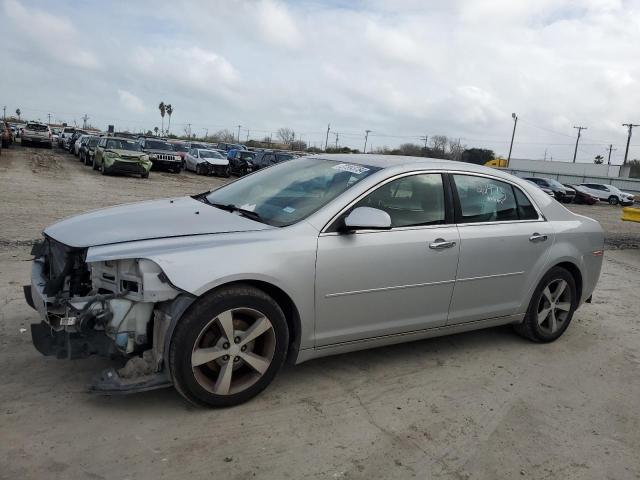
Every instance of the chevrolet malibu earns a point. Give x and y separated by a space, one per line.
307 258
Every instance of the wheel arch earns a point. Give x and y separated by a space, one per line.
575 272
282 298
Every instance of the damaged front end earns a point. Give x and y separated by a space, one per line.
117 309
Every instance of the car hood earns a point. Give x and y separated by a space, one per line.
148 220
126 153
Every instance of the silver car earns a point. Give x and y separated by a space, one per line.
206 162
308 258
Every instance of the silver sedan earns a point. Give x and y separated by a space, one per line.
206 162
308 258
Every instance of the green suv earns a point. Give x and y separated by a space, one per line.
121 155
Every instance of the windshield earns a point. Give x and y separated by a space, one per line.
198 146
247 155
210 154
180 147
121 144
157 145
291 191
37 127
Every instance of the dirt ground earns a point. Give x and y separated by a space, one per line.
481 405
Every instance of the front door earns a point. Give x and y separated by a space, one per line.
504 245
375 283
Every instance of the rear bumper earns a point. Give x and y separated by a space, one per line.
48 141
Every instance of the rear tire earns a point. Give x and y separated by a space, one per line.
219 327
551 309
613 200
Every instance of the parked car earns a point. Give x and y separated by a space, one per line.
581 195
267 158
77 144
546 190
560 192
162 154
608 193
121 155
181 149
229 146
88 149
309 258
64 135
207 162
36 133
241 161
6 135
70 141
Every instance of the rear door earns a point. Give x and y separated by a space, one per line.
504 245
374 283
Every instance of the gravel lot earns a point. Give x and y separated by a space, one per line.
482 405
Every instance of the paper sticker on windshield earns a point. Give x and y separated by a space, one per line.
288 209
347 167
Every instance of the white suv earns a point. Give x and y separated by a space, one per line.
36 133
608 193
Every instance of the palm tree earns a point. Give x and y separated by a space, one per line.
18 112
169 110
155 129
162 110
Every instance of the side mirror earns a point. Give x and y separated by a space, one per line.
367 218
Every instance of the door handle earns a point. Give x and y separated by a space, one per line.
537 237
441 244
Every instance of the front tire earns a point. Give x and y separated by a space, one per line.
613 200
552 306
228 347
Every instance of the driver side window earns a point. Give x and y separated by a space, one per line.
410 201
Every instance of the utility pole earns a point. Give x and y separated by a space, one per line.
545 154
515 123
425 138
4 112
326 140
626 152
239 133
336 134
84 120
366 137
247 134
49 115
189 128
575 152
610 149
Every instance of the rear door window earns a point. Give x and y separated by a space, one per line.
483 199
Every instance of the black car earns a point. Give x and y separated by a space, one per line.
268 158
77 134
162 154
88 149
561 193
241 162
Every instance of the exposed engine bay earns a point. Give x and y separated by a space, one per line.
116 308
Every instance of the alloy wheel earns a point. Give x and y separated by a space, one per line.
233 351
554 306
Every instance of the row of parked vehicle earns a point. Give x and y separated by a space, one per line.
126 153
584 193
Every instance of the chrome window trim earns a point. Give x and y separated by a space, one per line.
541 217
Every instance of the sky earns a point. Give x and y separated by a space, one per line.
403 69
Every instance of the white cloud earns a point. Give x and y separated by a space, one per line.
131 102
50 34
277 25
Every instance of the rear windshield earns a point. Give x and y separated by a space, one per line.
37 127
120 144
68 130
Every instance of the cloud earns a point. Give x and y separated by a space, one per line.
131 102
277 25
49 34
